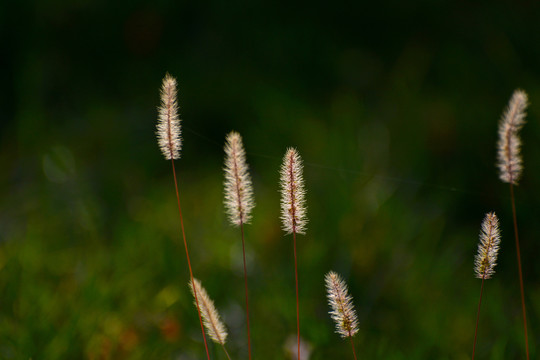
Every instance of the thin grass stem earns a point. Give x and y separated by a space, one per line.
226 352
352 345
518 252
478 317
187 256
246 289
297 302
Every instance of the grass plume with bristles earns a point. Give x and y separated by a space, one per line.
510 166
293 211
168 127
488 248
509 158
170 143
238 199
342 309
238 189
486 259
212 321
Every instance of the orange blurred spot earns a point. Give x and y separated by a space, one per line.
170 329
129 340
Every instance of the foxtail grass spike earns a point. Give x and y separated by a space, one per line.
486 259
238 189
511 165
488 248
509 158
342 309
239 200
293 209
168 127
293 213
212 321
169 140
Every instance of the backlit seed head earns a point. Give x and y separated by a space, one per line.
342 310
211 319
238 190
509 159
293 209
488 248
168 126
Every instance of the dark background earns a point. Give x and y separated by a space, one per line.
394 107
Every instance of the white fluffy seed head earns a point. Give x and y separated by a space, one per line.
168 126
293 209
211 319
488 248
342 310
509 159
238 189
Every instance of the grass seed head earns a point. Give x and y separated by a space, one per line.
168 126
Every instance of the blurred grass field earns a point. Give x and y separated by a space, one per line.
394 108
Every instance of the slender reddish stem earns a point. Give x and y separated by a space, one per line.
352 345
519 268
478 316
246 288
293 215
226 353
297 302
187 256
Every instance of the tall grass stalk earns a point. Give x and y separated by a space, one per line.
293 212
170 142
511 166
486 259
238 199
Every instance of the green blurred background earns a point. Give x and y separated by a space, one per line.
394 108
